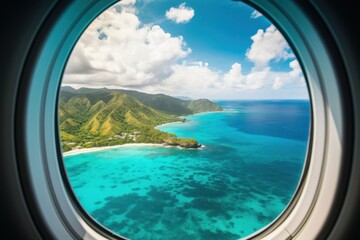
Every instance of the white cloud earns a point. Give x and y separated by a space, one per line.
237 80
263 78
182 14
257 79
147 58
132 55
255 14
295 76
192 77
234 78
296 70
78 63
278 83
267 46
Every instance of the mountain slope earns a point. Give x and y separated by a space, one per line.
86 120
102 117
201 105
160 102
122 113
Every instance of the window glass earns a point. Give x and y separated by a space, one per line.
183 120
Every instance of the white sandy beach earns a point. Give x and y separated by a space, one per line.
94 149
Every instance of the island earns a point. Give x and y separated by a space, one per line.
91 118
182 142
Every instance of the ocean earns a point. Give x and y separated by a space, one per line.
241 180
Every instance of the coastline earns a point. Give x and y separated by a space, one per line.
95 149
164 124
209 112
201 113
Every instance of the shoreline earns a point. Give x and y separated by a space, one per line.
199 113
95 149
164 124
210 112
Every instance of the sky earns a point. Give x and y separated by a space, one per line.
196 48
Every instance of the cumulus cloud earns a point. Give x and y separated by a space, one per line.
294 76
260 78
235 78
278 83
255 14
253 80
181 14
268 45
117 50
296 70
193 76
135 56
131 55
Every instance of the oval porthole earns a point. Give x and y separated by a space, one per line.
177 124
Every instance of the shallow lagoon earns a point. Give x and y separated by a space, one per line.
239 182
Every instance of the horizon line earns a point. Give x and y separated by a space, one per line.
190 98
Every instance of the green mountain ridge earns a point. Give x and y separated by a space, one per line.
103 117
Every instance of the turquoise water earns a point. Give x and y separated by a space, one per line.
240 181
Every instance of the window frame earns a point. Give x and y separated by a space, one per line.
43 171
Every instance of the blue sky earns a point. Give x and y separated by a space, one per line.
196 48
219 32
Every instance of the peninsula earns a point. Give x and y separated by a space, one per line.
91 118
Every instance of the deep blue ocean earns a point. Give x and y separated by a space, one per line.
239 182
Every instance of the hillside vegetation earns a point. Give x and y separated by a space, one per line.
105 117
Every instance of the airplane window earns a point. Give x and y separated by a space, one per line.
184 120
